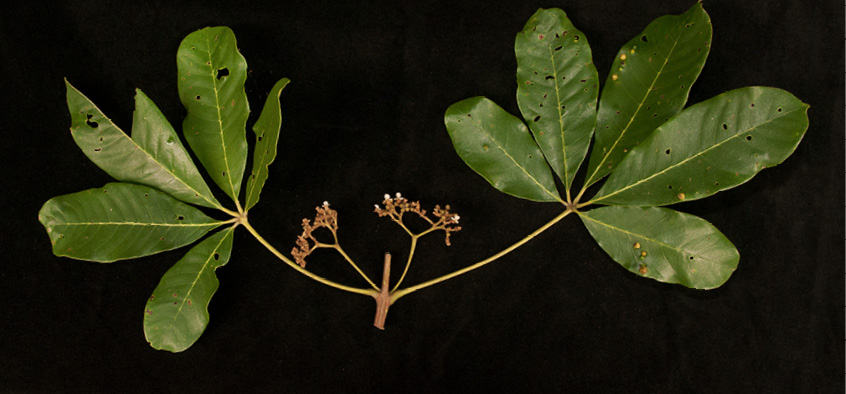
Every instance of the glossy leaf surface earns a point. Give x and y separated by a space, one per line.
177 312
663 244
557 86
267 136
120 221
211 86
499 147
154 156
711 146
648 84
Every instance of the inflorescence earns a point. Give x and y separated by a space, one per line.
396 207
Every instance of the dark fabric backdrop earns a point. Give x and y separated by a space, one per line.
364 116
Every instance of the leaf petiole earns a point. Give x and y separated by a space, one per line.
368 292
401 293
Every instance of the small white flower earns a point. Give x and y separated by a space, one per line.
377 206
455 218
399 195
387 196
326 203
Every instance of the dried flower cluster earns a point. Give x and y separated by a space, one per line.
326 217
397 206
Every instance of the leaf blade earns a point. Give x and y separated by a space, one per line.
710 147
663 244
267 136
211 87
154 156
557 88
648 84
499 147
177 313
120 221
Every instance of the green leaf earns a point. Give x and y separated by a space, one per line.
120 221
267 135
211 86
711 146
648 84
499 147
663 244
154 156
178 311
557 85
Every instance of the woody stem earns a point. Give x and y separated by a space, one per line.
383 298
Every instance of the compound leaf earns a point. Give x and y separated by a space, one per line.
267 136
177 313
663 244
499 147
648 84
557 85
711 146
120 221
211 87
154 156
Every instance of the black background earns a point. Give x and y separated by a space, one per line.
364 116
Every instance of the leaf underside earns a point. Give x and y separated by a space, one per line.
648 84
177 312
664 244
211 87
499 147
120 221
557 87
154 156
267 136
711 146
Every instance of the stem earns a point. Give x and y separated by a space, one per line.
349 260
243 221
383 298
399 294
414 238
408 263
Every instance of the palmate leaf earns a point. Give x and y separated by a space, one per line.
711 146
664 244
648 84
499 147
557 86
154 156
211 87
177 313
267 136
120 221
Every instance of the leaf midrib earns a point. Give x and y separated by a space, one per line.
495 142
142 224
252 183
197 278
700 257
637 111
161 165
560 120
749 130
220 119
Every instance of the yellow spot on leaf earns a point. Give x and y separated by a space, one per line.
637 245
623 57
680 196
615 77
